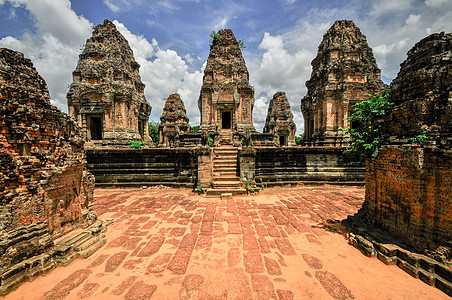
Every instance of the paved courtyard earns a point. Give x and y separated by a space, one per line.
173 244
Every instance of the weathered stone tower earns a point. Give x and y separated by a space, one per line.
409 183
226 100
280 120
343 73
173 121
106 97
45 189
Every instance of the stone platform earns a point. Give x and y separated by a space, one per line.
281 244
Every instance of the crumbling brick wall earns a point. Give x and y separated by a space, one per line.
409 184
45 190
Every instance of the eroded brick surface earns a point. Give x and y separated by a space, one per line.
45 189
343 73
106 96
184 262
408 186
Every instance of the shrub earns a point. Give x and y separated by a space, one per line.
365 139
136 144
195 129
154 132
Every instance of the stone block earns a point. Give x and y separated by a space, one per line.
427 277
388 260
444 286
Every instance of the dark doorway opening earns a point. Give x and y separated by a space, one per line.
226 119
141 129
95 127
282 140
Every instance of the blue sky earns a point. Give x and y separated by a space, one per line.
170 40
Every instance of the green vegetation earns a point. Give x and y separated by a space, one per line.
154 132
195 129
366 138
210 141
298 139
136 144
419 139
248 188
242 45
213 37
200 190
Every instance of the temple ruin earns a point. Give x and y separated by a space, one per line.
45 189
343 73
226 100
279 120
408 186
173 121
106 97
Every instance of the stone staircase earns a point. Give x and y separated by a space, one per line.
225 179
226 137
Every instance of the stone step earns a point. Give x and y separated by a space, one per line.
226 159
225 170
217 165
226 184
228 150
225 178
227 173
225 156
218 192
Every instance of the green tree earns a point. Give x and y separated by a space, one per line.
136 144
365 137
154 132
195 129
242 45
213 37
298 139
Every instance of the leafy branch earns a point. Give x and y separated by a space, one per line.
214 36
366 137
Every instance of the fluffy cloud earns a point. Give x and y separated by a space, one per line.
60 37
277 60
391 28
54 48
278 69
164 72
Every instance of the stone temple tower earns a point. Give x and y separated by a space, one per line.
106 97
279 120
173 121
226 100
343 73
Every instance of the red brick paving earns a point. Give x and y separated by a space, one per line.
172 244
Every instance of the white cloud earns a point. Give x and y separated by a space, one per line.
279 69
113 5
284 63
60 37
385 7
154 6
53 49
412 19
436 3
164 72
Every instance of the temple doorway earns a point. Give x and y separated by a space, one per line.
226 119
94 127
283 140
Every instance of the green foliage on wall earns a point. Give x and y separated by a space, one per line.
195 129
365 136
136 144
154 132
